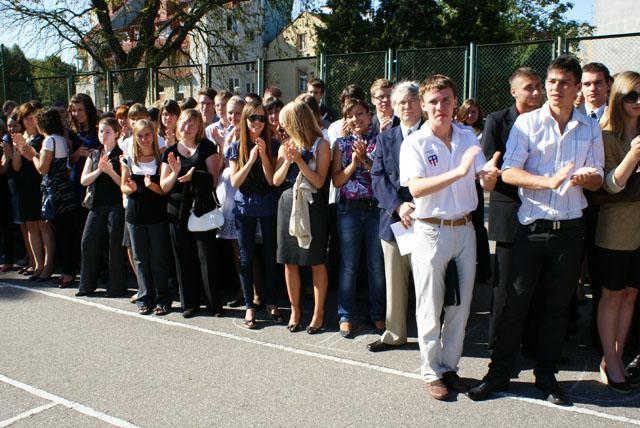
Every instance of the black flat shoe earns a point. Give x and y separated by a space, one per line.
314 330
83 293
488 386
550 388
294 328
380 346
236 303
188 313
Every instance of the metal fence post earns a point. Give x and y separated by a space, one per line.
473 70
109 89
150 90
207 75
559 48
389 67
4 83
259 76
70 88
466 74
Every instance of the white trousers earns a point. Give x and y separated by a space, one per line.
441 344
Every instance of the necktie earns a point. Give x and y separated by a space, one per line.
593 115
409 131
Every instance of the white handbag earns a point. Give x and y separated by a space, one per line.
213 219
207 221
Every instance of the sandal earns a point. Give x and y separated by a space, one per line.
144 310
250 324
6 268
160 310
275 315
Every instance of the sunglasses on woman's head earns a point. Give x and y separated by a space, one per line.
257 117
631 97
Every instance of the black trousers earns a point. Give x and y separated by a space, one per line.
68 229
103 219
196 267
502 262
549 259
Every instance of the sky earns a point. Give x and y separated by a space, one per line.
582 11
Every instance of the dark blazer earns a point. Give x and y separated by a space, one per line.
375 122
504 201
385 177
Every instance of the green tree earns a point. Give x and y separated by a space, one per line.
125 34
405 24
50 79
349 27
18 79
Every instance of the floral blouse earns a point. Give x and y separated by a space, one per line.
359 184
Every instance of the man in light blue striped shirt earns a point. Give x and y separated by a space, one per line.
553 153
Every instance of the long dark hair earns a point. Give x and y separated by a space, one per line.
255 175
172 107
90 110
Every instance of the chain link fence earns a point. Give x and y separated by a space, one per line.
238 77
130 85
618 52
345 69
480 71
94 85
417 64
290 74
495 63
178 82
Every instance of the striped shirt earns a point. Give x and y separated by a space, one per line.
536 145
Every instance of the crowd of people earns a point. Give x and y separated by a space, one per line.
252 191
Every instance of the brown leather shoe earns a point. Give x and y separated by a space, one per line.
438 390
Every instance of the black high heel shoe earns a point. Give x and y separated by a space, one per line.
620 387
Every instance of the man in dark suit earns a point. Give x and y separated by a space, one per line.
504 201
395 204
384 117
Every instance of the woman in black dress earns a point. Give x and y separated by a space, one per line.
189 171
28 181
307 154
60 202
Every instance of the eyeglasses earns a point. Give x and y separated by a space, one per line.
383 98
631 97
257 117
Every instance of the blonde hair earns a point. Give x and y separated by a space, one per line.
300 123
137 151
614 116
187 115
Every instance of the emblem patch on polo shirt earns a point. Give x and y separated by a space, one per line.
433 159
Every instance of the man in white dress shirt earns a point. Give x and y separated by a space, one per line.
439 163
553 153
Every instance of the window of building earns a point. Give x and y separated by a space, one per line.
232 24
251 35
303 79
251 66
234 83
301 42
232 54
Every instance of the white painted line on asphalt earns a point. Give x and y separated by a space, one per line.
67 403
573 409
26 414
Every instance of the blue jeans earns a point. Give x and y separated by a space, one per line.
354 225
246 227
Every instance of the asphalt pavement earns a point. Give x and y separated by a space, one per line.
93 361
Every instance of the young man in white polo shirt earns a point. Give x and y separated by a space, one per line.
439 163
553 153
